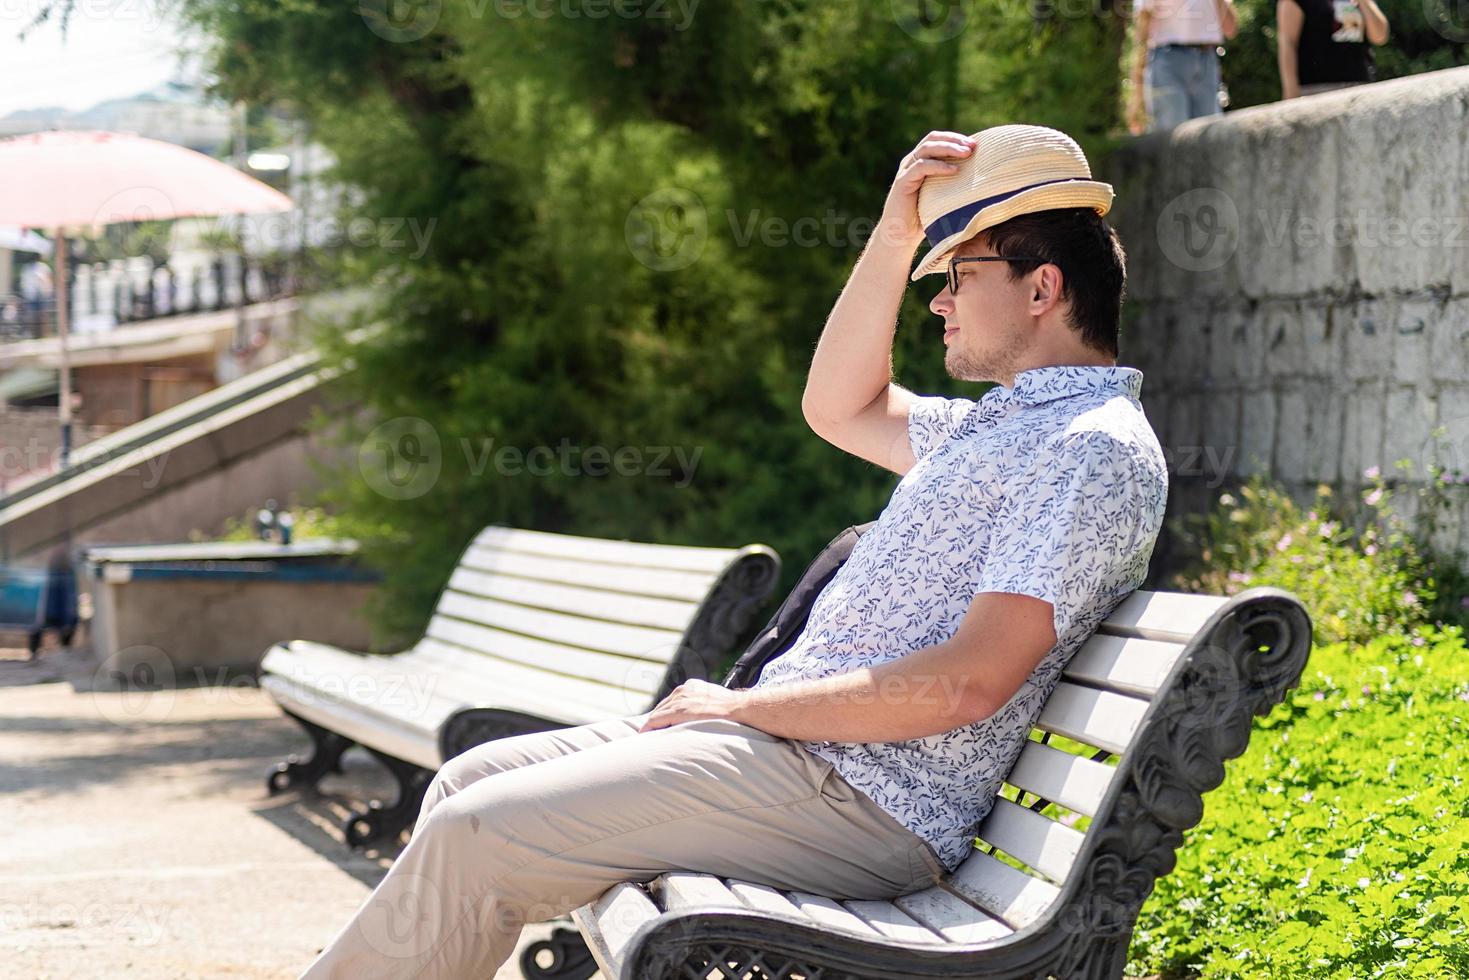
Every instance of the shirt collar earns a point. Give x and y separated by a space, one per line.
1044 384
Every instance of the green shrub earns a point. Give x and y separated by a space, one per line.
1339 843
311 522
1358 582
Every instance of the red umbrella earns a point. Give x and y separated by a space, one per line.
70 182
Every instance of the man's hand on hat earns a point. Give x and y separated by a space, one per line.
933 156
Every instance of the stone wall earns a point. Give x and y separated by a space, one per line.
1299 290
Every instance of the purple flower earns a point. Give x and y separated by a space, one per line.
1372 472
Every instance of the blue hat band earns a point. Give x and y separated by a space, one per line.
955 221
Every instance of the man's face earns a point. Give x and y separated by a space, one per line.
986 329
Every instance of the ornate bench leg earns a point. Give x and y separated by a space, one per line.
569 957
379 822
326 756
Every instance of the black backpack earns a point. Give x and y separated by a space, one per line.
790 619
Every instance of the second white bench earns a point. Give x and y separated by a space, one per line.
534 631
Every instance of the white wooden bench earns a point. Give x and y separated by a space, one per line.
1094 810
534 631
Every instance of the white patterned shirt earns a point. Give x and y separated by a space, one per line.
1054 488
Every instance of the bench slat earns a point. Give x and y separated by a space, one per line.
1125 664
882 918
427 675
828 912
950 916
417 701
1073 782
617 607
1170 616
612 670
1101 718
893 922
1040 842
683 890
409 696
628 580
591 634
357 724
682 557
686 889
614 917
763 898
484 681
1014 896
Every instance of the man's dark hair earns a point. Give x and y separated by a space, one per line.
1089 254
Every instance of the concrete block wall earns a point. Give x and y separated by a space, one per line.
1298 293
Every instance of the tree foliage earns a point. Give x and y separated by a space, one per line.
564 158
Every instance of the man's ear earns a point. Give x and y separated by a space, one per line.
1046 285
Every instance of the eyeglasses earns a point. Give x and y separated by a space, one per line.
954 273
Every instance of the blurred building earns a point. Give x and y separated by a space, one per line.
175 112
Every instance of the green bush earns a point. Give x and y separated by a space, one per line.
1358 583
1339 843
310 522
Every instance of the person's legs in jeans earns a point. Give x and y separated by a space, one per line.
1203 90
528 828
1165 91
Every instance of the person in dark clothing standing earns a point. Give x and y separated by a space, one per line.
1325 44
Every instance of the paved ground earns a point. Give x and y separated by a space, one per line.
139 841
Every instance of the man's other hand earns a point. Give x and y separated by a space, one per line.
693 701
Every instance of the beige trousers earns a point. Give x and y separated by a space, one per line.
527 828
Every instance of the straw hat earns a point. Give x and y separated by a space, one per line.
1012 170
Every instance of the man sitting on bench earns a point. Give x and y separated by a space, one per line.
863 760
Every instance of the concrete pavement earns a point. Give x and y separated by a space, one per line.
139 842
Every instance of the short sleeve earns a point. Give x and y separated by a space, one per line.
932 418
1077 528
